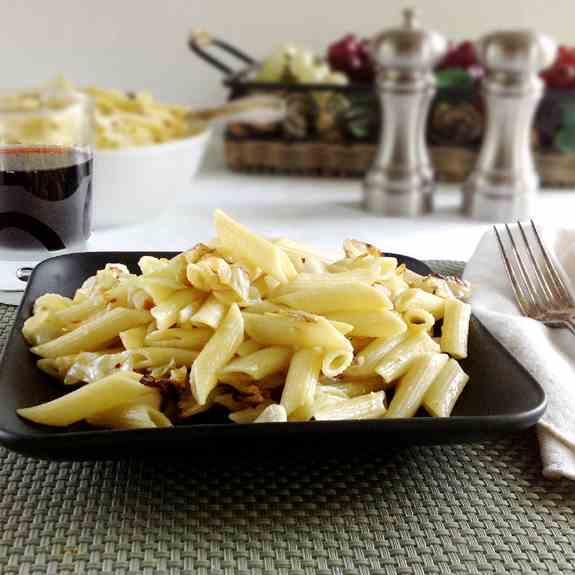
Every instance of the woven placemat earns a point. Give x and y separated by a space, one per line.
481 508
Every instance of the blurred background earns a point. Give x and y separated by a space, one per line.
135 44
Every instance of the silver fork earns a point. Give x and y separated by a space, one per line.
539 289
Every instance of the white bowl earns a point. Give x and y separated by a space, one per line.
131 185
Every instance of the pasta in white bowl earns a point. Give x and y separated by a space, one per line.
269 330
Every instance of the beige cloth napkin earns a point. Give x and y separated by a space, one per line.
548 354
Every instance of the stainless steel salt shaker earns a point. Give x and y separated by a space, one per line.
400 182
504 183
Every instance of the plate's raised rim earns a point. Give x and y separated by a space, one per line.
62 440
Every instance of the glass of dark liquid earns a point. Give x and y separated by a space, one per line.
45 173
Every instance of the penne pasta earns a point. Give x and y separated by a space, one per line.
455 328
94 334
417 298
148 357
301 380
349 389
399 359
367 360
143 413
261 363
177 337
418 319
305 281
88 400
210 314
344 296
369 406
370 322
410 391
335 362
248 347
245 245
443 393
166 313
294 329
220 348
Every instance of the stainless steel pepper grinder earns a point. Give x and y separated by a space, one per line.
504 183
400 182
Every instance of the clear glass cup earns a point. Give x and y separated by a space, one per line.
45 172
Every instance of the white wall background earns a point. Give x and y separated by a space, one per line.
135 44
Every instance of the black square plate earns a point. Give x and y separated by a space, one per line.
501 397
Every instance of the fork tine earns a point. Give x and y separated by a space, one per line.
551 268
530 288
541 279
517 290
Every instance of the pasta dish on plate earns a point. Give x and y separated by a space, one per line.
269 330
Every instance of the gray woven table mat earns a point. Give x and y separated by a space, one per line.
443 509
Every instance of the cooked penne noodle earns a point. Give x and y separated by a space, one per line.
265 285
143 413
266 307
399 359
366 361
381 265
343 328
273 413
371 322
300 250
455 328
210 313
349 389
410 391
94 334
305 281
80 311
417 298
261 363
369 406
148 357
301 379
394 284
344 296
336 361
135 416
166 313
443 393
187 312
294 329
220 348
178 337
248 347
51 302
88 400
245 245
418 319
134 338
